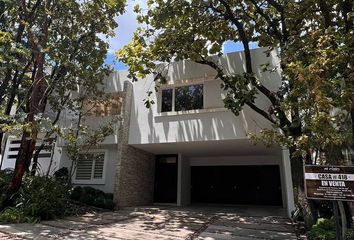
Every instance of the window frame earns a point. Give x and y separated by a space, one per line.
173 87
93 180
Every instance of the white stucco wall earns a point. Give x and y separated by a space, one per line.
109 168
115 82
213 122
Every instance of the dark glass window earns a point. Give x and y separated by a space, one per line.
189 97
166 105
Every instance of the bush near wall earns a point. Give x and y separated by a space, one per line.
40 198
92 197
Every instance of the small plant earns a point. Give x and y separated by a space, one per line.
14 215
324 229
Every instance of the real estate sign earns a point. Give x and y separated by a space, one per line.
329 182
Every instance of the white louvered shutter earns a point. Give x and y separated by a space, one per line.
84 167
99 163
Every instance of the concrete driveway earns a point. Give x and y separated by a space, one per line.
241 223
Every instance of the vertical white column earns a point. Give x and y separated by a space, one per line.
288 184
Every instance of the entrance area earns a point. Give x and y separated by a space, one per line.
166 170
222 174
250 185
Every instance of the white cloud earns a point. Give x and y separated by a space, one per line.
127 24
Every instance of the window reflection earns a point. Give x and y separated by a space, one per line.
189 97
166 105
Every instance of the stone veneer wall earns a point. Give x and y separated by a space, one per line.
134 183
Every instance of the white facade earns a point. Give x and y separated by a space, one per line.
212 136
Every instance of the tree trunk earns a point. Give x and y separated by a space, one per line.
51 157
36 105
304 205
22 164
35 160
2 151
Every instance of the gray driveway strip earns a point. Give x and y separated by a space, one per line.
175 223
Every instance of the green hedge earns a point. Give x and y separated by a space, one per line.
93 197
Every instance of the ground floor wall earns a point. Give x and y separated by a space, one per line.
110 161
130 174
134 177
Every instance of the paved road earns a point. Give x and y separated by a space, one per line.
207 223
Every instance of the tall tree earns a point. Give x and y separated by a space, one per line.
313 108
52 47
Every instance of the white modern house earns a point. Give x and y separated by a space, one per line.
186 149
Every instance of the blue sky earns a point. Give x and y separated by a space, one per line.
126 26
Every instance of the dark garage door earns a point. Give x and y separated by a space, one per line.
258 185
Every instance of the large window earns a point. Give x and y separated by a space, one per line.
90 167
189 97
182 98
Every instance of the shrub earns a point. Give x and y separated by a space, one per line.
43 198
5 177
76 193
109 204
324 229
99 202
14 215
62 174
93 197
39 198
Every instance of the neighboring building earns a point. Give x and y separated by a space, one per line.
187 148
48 157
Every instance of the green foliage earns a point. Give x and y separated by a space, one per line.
40 198
312 107
43 198
15 215
52 57
93 197
324 229
70 37
5 177
349 235
62 174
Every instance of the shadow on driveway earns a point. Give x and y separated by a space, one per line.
202 222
